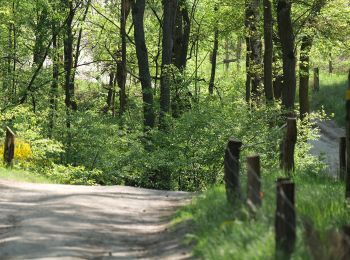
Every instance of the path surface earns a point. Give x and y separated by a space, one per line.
42 221
328 145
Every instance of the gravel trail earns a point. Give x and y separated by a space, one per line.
327 147
45 221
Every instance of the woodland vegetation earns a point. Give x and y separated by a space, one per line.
147 93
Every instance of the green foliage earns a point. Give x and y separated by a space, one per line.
190 155
74 175
28 127
304 160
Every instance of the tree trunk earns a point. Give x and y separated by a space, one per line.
227 54
316 79
213 61
347 125
69 61
142 58
252 18
239 53
285 31
80 34
41 36
110 93
277 68
169 7
330 63
55 79
304 76
125 9
181 36
268 55
248 82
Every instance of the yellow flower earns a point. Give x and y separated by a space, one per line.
23 152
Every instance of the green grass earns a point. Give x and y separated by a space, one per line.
218 232
22 176
331 96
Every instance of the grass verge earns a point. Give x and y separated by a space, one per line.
218 232
23 176
331 96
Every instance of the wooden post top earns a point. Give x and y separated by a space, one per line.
234 145
253 156
10 131
291 119
235 141
283 180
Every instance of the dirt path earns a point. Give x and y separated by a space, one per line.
328 145
40 221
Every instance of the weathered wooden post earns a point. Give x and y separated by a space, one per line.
347 173
9 147
285 219
289 146
316 79
342 158
254 181
232 184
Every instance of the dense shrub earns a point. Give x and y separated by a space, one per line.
188 156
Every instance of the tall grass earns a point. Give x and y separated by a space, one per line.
219 232
331 96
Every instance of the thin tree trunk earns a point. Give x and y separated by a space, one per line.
248 82
214 61
41 36
71 105
239 53
304 75
181 36
122 66
268 55
110 92
196 87
278 76
169 7
252 18
68 61
55 80
330 63
181 42
80 34
138 10
285 31
227 55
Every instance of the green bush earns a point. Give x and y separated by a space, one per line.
74 175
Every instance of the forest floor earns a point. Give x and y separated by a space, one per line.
46 221
327 147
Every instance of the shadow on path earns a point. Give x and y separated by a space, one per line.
40 221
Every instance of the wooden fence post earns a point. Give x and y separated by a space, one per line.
285 219
9 147
254 181
232 184
347 173
316 79
289 146
342 158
